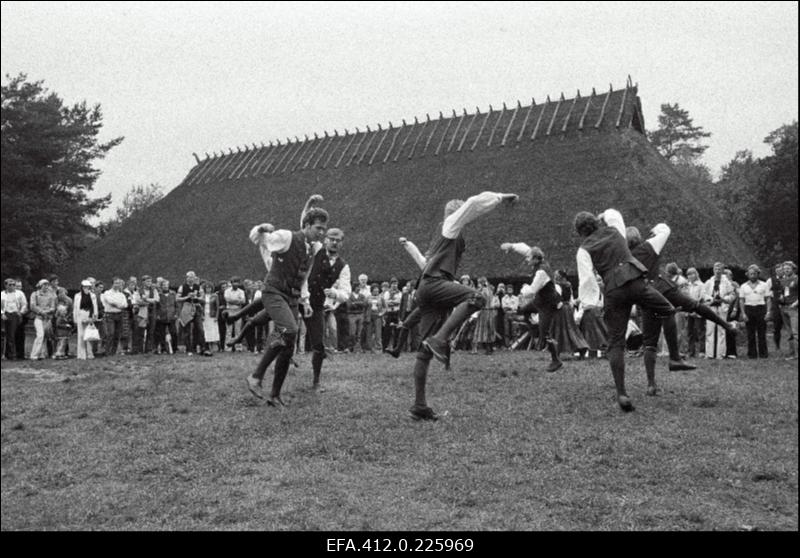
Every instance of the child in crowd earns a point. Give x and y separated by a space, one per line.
63 330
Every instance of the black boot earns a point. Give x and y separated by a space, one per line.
402 337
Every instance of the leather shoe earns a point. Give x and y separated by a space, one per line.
421 412
440 350
676 365
276 401
554 365
254 385
625 403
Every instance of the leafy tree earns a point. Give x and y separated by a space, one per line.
48 152
137 199
677 138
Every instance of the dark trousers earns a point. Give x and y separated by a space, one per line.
160 336
13 323
388 335
756 327
342 329
19 338
113 321
193 334
315 333
436 297
696 327
283 311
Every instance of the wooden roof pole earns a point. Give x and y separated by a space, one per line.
346 148
525 122
293 155
539 120
394 139
335 147
569 112
196 171
510 123
302 153
441 141
327 142
380 143
435 126
243 163
455 132
622 105
358 146
586 110
289 147
273 158
603 109
480 130
369 143
469 127
230 158
405 139
419 135
555 113
317 143
496 124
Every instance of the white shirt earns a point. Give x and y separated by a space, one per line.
342 287
726 290
257 237
13 302
510 303
113 301
754 295
472 208
279 242
417 256
235 297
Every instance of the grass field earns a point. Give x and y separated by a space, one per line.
178 443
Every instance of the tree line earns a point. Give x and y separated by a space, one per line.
49 152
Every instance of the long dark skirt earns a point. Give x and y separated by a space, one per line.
594 329
565 332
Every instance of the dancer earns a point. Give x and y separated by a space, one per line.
256 307
605 248
438 292
285 286
542 290
328 280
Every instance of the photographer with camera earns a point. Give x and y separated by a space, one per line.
718 293
191 315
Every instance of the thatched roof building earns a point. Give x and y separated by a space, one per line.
561 156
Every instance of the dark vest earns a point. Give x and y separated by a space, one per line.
611 257
547 298
288 269
445 256
646 254
322 277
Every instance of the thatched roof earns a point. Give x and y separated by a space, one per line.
563 156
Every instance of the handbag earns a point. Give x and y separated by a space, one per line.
90 333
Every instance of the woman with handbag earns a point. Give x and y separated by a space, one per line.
43 308
85 312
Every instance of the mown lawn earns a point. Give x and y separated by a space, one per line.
178 443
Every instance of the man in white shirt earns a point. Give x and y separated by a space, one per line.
13 305
754 300
510 304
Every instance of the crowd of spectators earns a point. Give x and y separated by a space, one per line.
147 316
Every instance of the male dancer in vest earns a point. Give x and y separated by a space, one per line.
438 292
649 253
329 279
286 284
256 308
605 248
545 297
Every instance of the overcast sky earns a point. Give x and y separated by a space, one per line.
183 77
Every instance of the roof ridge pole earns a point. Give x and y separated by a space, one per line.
317 143
469 127
302 153
419 135
273 157
435 126
525 122
496 124
603 110
244 163
346 148
285 152
369 143
358 146
586 110
405 140
196 158
510 123
201 174
299 145
215 159
441 140
380 143
220 161
622 104
260 152
326 141
480 131
335 147
394 140
555 113
569 112
539 120
455 132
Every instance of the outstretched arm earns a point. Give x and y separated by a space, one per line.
613 218
588 289
412 249
473 208
517 247
311 202
661 233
